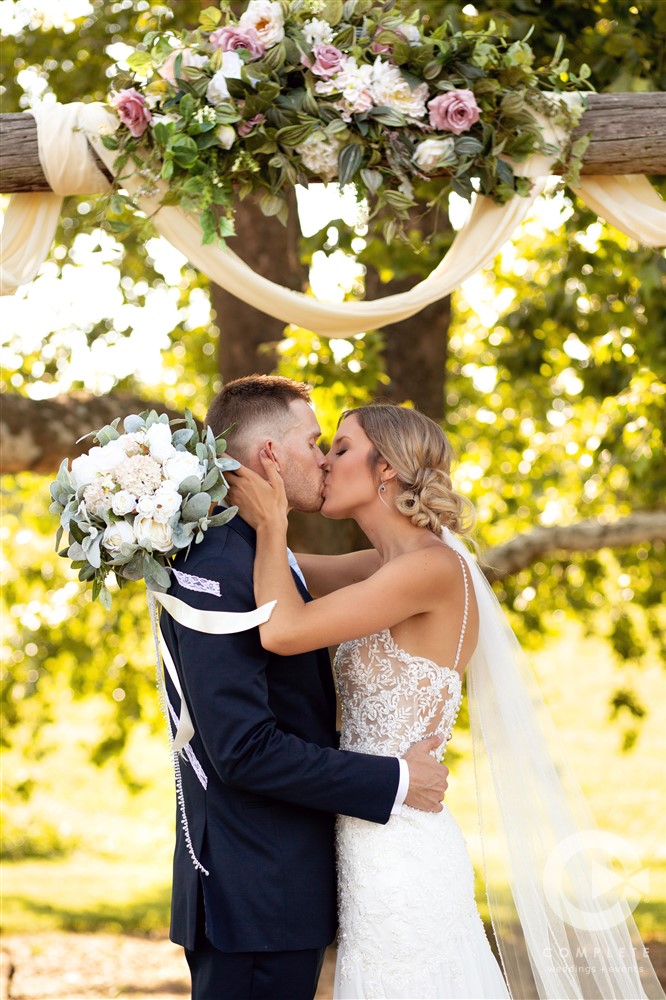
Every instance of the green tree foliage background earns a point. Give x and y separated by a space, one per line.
554 396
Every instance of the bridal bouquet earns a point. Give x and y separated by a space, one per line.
257 99
137 497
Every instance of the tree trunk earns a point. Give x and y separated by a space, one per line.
35 435
415 350
249 338
628 137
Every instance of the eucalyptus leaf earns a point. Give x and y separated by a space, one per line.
132 423
105 598
211 479
223 517
196 507
190 485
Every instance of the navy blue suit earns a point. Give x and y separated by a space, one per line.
265 736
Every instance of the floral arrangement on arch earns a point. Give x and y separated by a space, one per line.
136 498
293 91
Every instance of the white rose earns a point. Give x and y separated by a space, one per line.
225 136
83 471
317 32
266 18
98 461
146 505
167 500
430 153
158 439
320 156
117 538
217 89
156 533
131 443
123 503
410 33
180 466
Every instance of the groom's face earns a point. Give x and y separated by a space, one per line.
300 459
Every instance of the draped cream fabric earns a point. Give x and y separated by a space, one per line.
630 203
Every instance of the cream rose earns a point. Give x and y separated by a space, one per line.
118 538
390 89
159 441
217 91
432 153
266 18
225 136
123 503
98 461
167 500
182 465
146 505
157 534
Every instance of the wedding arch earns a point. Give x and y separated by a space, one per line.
254 104
58 151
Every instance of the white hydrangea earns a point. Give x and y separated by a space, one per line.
96 495
139 474
320 156
410 33
317 32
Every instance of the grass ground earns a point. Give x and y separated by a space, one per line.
117 876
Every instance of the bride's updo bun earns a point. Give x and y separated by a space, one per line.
421 455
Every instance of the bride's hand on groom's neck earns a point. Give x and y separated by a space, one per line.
261 502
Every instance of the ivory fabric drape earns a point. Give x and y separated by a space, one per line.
64 131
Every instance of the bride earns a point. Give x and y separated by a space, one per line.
411 615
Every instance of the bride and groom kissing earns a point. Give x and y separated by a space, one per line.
289 828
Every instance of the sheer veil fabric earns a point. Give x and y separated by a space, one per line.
563 910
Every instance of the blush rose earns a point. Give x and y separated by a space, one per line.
132 111
455 111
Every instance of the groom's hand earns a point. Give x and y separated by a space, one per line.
428 778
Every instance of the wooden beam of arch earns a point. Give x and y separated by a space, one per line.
628 136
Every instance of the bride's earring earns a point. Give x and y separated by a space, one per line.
380 490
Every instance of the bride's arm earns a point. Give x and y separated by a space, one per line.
379 602
324 574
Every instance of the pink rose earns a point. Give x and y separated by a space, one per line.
455 111
132 111
328 60
244 128
229 39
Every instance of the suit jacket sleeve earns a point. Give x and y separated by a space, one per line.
225 683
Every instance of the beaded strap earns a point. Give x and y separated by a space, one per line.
465 612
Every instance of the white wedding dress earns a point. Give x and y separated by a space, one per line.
409 924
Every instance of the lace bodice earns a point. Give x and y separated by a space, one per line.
391 699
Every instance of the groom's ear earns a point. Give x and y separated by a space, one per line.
268 447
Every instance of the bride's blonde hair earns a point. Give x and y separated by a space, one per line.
421 455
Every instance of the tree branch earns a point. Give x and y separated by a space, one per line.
585 536
35 435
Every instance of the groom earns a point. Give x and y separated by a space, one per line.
262 778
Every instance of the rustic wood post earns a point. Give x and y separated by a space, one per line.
628 136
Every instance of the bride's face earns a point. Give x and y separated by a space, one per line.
350 482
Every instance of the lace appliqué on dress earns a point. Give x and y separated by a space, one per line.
197 583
